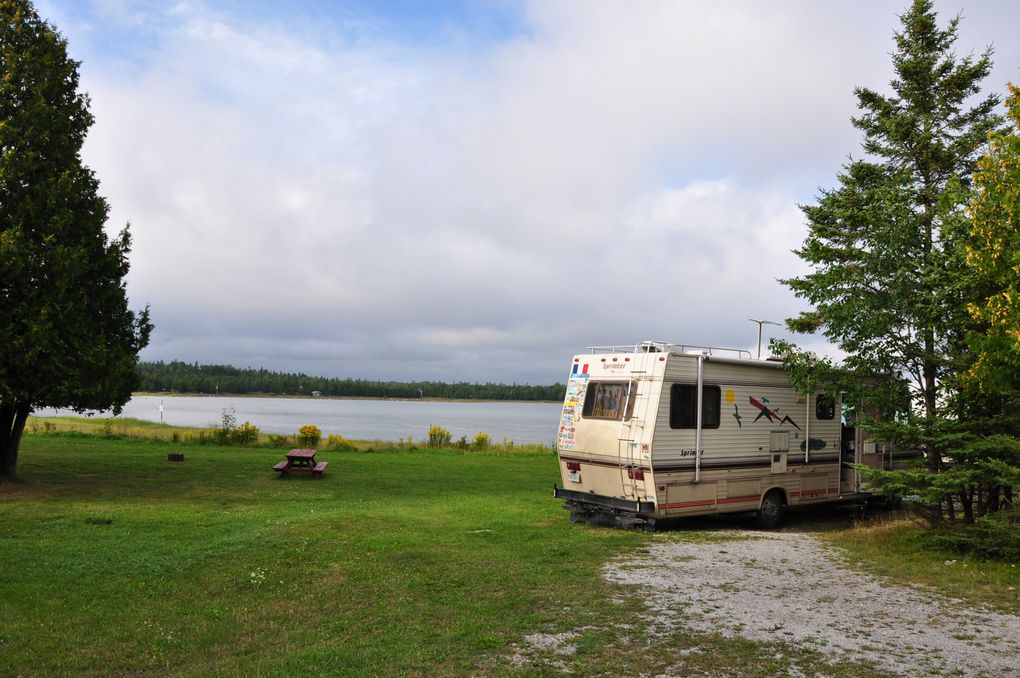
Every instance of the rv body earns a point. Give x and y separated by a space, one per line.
661 430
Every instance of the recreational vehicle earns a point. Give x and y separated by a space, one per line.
661 430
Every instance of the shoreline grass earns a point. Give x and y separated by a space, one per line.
127 428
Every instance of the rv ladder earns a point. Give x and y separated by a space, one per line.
627 440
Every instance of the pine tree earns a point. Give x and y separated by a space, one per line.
886 287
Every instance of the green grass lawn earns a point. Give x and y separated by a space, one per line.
114 561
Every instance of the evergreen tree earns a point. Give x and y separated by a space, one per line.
67 338
886 287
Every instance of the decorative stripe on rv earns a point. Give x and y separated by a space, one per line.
709 502
609 464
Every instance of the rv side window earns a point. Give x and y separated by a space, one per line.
683 406
606 400
825 407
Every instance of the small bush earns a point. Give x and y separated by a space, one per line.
995 536
228 422
309 436
339 443
438 436
482 441
246 434
279 440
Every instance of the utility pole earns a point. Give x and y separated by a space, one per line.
760 323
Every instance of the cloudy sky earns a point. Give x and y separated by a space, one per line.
474 190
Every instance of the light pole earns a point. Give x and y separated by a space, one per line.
760 323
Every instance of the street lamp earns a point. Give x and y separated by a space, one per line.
760 323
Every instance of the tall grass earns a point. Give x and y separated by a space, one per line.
126 428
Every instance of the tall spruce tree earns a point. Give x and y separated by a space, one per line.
885 286
67 338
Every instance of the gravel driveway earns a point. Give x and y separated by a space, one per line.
788 586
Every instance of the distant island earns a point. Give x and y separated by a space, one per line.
181 377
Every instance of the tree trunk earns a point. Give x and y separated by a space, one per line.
967 504
950 508
933 456
12 425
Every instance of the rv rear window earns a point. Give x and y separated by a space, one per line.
683 406
606 400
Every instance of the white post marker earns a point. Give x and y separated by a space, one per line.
161 411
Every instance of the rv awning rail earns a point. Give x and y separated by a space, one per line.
670 347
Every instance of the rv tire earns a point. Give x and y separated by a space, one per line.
771 512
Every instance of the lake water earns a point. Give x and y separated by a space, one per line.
388 420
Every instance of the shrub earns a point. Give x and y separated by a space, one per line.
339 443
228 422
246 434
279 440
482 441
438 436
995 536
309 436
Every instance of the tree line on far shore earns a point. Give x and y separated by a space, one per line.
181 377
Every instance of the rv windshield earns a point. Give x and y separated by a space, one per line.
607 400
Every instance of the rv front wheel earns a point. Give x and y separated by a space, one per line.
771 512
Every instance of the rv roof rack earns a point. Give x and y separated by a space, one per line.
670 347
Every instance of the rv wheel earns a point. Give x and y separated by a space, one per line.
771 511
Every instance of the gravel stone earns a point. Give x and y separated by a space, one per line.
788 586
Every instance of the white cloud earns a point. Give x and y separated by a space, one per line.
309 198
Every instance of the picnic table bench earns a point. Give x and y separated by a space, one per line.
301 460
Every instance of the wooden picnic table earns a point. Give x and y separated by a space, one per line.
301 460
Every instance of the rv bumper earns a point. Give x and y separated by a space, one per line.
602 501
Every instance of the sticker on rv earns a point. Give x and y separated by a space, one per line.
576 386
770 414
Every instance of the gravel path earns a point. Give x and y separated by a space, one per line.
788 586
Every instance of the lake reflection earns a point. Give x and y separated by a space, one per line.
388 420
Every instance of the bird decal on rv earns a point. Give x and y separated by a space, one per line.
770 414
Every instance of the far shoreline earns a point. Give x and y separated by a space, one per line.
179 394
